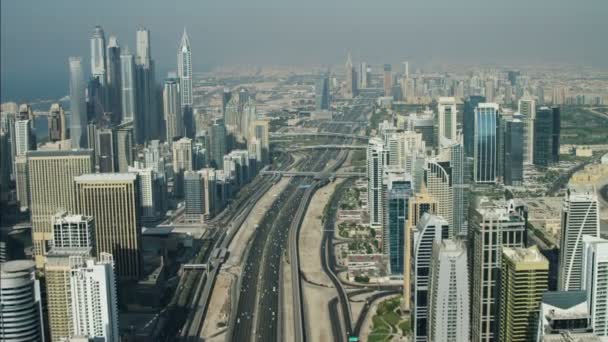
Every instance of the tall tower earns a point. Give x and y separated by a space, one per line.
468 123
218 143
51 179
112 199
20 302
439 185
377 156
98 55
514 140
388 80
524 279
322 92
527 107
363 80
172 109
127 77
446 110
397 194
78 105
485 143
580 216
351 79
182 162
595 273
113 78
149 120
449 293
184 69
544 137
494 225
94 298
430 229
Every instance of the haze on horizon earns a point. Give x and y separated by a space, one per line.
38 36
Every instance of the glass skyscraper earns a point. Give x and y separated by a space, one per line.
543 137
485 143
398 192
514 152
468 122
78 105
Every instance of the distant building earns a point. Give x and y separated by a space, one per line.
151 194
514 140
58 129
322 92
128 91
20 302
430 229
194 194
388 80
182 161
218 143
524 279
377 156
580 216
98 55
113 79
448 310
112 199
184 70
546 136
527 107
124 144
105 151
447 114
78 118
350 90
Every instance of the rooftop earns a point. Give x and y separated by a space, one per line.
106 177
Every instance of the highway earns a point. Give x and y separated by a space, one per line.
257 311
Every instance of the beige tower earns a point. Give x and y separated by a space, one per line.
51 180
112 200
419 204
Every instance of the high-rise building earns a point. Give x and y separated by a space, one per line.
148 122
22 185
388 80
172 109
78 108
564 316
580 216
514 152
430 229
57 123
184 70
20 302
489 90
397 194
363 80
485 143
595 281
112 199
105 151
218 143
182 162
113 79
468 123
524 278
448 306
322 92
150 193
51 180
73 231
493 226
377 156
555 133
437 178
527 107
128 88
446 111
124 144
260 135
25 140
194 194
248 118
94 298
350 90
543 137
98 55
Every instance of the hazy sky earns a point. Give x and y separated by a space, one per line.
38 36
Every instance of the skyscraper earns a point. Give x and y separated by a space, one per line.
128 88
73 231
595 281
25 139
218 143
397 193
543 137
149 120
113 78
51 179
322 92
78 108
524 278
448 310
194 194
94 298
184 70
388 80
105 151
527 107
22 185
493 225
350 90
514 152
580 216
439 185
429 230
98 55
555 133
485 143
57 123
489 90
446 110
150 193
172 109
20 302
377 156
112 199
468 123
363 80
182 162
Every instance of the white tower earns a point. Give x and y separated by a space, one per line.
184 69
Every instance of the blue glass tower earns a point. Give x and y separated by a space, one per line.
486 147
398 192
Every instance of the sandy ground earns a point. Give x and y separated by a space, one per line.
316 299
219 307
287 303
